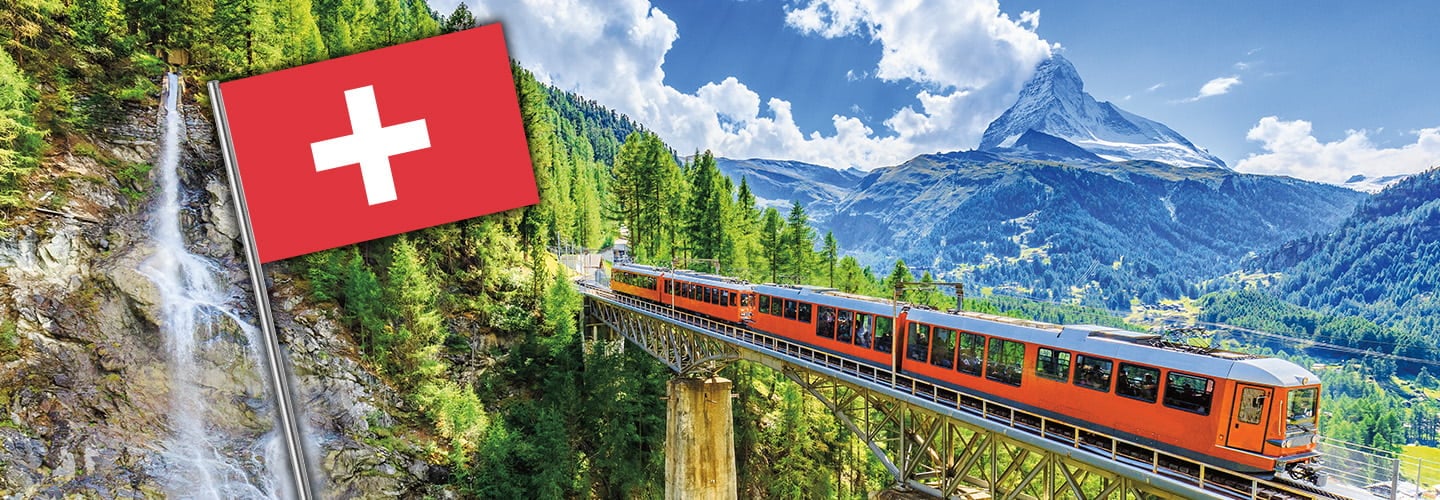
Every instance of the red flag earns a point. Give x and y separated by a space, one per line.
379 143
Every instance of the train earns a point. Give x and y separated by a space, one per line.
1246 413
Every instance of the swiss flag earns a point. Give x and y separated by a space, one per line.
378 143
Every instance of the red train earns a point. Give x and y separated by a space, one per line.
1241 412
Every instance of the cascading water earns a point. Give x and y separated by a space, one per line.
202 458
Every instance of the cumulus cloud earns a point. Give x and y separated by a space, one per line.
1291 149
1218 86
968 67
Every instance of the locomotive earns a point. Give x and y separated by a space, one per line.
1242 412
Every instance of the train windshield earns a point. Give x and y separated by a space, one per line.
1303 410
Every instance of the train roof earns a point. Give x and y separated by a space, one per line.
829 297
638 268
709 279
1124 345
685 275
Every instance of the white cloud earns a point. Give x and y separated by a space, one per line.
1155 87
1291 149
969 57
1218 86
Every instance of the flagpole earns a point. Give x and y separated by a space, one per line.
284 400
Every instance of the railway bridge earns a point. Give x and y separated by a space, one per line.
931 439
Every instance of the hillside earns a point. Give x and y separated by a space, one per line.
1114 231
1383 262
777 183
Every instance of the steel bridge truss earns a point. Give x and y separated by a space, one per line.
945 457
934 439
683 347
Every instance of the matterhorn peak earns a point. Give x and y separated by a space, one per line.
1054 102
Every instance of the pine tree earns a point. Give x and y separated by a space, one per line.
899 274
20 142
852 277
705 224
417 331
460 19
771 242
799 243
832 249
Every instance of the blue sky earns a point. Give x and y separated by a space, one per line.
1319 91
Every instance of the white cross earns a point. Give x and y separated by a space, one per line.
370 145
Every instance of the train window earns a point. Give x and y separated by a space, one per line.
972 353
1301 414
825 326
712 295
1188 393
745 299
765 304
1004 361
864 329
942 352
1053 364
725 299
732 297
1093 373
790 309
670 287
777 307
919 343
842 326
1252 405
805 312
884 333
1138 382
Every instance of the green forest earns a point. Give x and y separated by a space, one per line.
474 323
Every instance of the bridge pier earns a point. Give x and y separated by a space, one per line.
700 440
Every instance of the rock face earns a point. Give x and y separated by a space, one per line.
85 375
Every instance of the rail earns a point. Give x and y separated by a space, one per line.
1159 465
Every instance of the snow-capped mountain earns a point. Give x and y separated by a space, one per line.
1054 102
1372 185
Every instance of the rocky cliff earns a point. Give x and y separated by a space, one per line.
85 381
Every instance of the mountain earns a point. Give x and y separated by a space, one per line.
777 182
1383 262
1054 102
1108 231
1036 145
1360 182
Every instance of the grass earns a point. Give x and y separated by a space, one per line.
1422 459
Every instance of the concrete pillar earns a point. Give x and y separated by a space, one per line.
699 441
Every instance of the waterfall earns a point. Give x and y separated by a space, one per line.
202 458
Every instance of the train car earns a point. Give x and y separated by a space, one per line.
722 298
636 280
857 327
1242 412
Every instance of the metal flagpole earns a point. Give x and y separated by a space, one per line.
284 401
